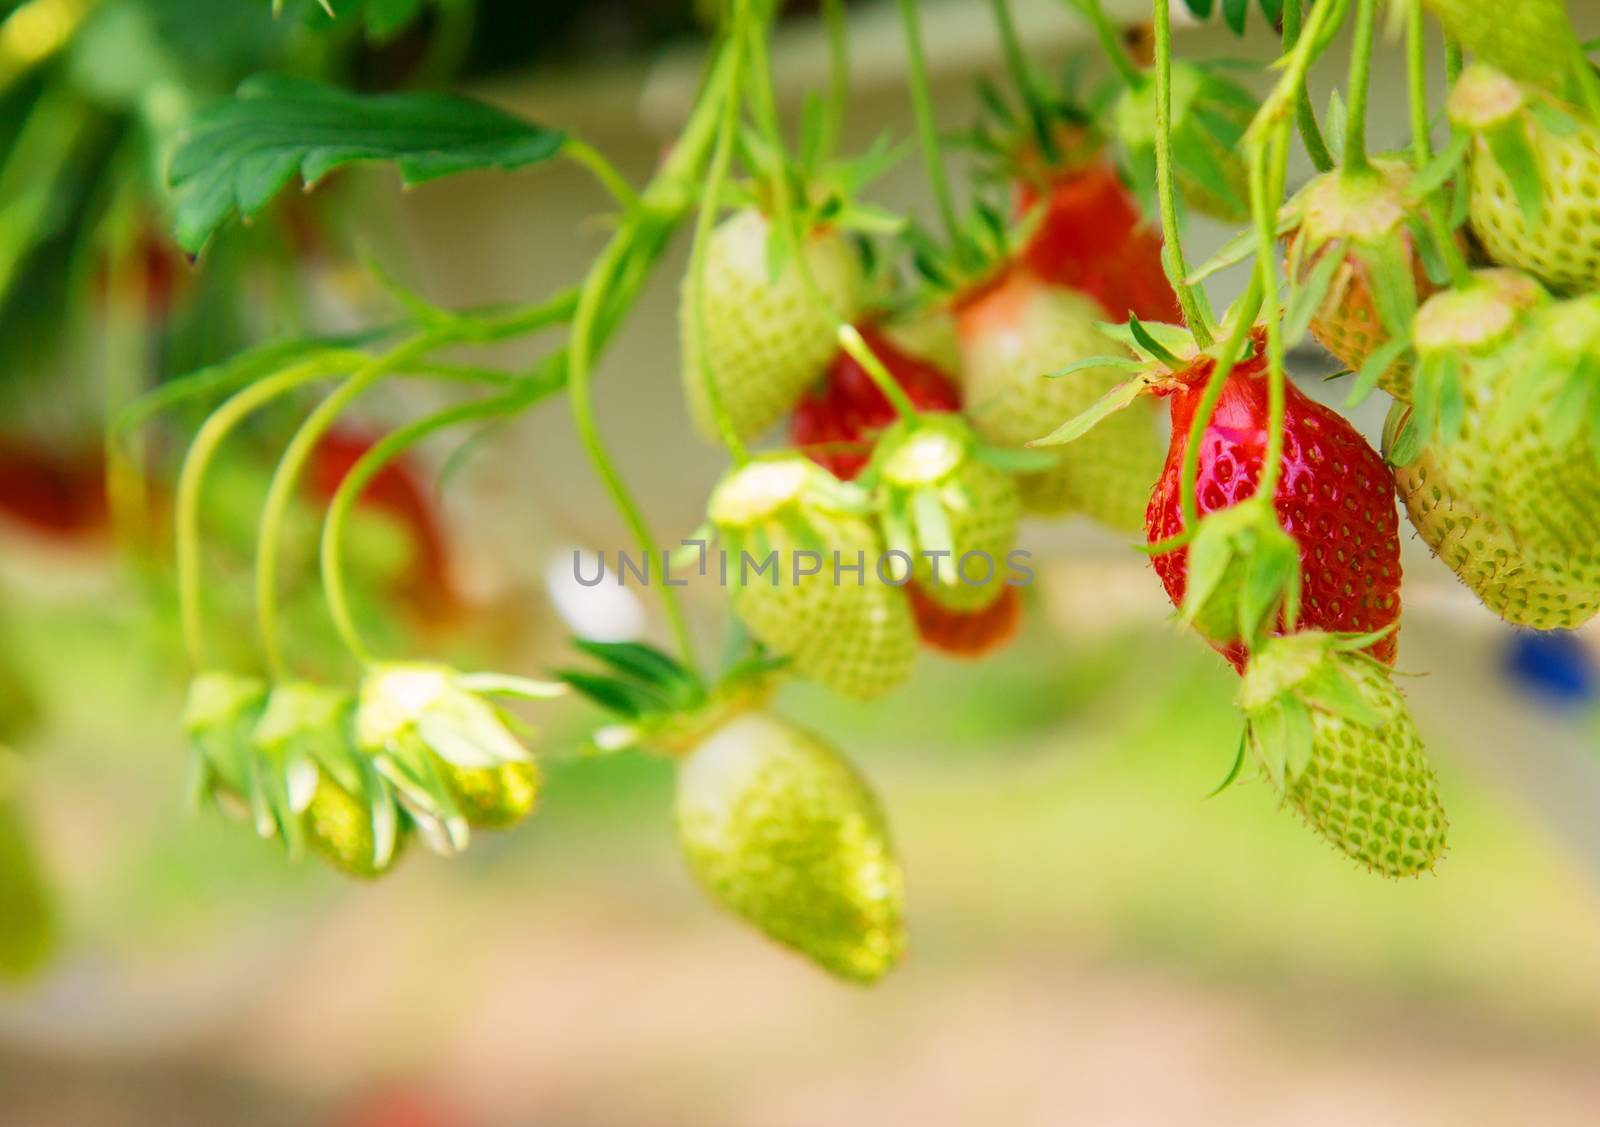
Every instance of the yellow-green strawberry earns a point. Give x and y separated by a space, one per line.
806 561
1333 735
339 828
767 336
1548 426
1013 332
494 798
783 833
1355 259
947 509
1534 177
1532 40
1456 457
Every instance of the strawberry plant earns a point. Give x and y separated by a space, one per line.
1458 276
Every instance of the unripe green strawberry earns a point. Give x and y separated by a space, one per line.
1534 178
1013 333
783 833
1531 40
1376 278
785 524
1335 738
1457 486
493 798
339 828
767 337
953 513
1548 425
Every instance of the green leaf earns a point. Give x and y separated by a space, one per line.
237 155
1234 12
641 662
386 19
620 697
1117 399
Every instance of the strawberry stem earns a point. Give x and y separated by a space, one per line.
1422 145
721 159
191 478
927 126
1305 115
590 158
1190 299
280 492
1227 359
1268 168
838 75
1111 42
851 341
1355 133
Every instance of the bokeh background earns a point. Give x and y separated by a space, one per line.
1095 940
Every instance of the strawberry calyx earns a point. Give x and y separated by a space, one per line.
661 706
1473 324
1291 677
1243 576
1557 361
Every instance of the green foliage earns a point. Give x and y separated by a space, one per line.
239 154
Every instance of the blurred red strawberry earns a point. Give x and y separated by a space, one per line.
397 491
52 492
1093 237
837 422
971 635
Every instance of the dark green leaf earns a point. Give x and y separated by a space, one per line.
642 662
238 154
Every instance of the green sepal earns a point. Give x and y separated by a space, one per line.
1333 126
624 698
1238 765
1283 737
933 528
1307 298
1271 585
1394 286
1122 363
897 529
1382 359
1148 344
1117 399
1444 164
1330 690
412 769
647 665
1513 151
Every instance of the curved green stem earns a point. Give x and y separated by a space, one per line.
1190 300
280 492
588 157
370 464
927 124
1305 115
838 75
191 478
1268 167
1110 42
705 223
1355 132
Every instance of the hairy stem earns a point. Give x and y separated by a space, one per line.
1355 133
1022 75
1305 115
1189 300
1422 145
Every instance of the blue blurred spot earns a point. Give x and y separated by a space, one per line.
1554 665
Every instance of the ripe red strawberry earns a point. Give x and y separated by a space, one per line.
1335 497
972 635
839 419
1092 237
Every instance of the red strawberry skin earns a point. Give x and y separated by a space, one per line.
1093 238
1335 497
839 419
972 635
